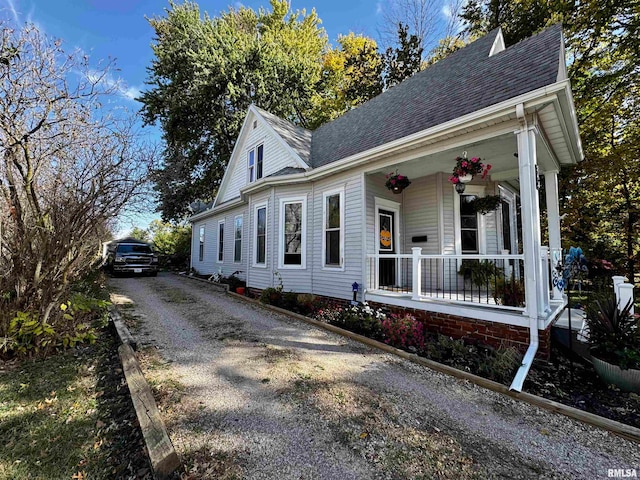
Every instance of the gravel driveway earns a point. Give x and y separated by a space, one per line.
269 397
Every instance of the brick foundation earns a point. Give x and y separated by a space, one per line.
493 334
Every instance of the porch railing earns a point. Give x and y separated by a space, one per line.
495 280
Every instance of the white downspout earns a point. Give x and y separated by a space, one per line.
527 170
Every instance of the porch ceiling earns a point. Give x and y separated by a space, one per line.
498 151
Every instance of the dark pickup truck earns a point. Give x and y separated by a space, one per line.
131 257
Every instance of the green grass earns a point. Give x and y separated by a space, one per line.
68 416
48 416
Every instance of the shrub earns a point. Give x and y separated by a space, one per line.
403 331
308 303
614 333
360 319
271 296
508 291
500 365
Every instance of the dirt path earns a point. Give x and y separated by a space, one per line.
269 397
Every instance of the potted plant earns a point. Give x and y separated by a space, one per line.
614 339
396 183
466 169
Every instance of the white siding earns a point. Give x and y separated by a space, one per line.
229 266
420 215
294 279
208 263
261 276
276 157
334 282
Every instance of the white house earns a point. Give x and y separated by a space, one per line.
313 206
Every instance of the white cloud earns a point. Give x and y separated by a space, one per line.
378 8
118 84
446 11
130 93
14 12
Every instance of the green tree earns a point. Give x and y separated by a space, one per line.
139 234
403 60
205 74
170 238
519 19
351 75
601 195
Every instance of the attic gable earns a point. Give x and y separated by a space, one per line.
498 44
260 150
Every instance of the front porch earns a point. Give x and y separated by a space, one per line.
447 284
426 251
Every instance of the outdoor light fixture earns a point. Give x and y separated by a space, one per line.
460 188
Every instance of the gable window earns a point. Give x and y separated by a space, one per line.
255 160
333 238
293 231
221 241
260 257
237 239
201 249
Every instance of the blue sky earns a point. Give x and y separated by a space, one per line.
118 29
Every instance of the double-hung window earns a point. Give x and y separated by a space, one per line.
469 238
260 257
255 163
221 241
469 225
293 233
237 239
333 238
201 249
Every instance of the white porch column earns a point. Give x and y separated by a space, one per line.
553 219
417 273
530 221
625 295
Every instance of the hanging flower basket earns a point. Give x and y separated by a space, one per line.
484 205
397 183
466 169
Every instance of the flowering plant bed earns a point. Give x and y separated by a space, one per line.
550 380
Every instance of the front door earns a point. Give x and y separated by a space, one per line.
386 246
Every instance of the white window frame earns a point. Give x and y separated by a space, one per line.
325 195
509 197
202 235
477 190
252 170
220 251
254 257
235 240
281 233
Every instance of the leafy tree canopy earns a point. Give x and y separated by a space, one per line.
602 194
205 74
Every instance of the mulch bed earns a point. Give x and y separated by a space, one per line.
583 390
122 440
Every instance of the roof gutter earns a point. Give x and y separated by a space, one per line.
529 99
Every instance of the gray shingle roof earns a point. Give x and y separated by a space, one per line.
298 138
287 171
464 82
